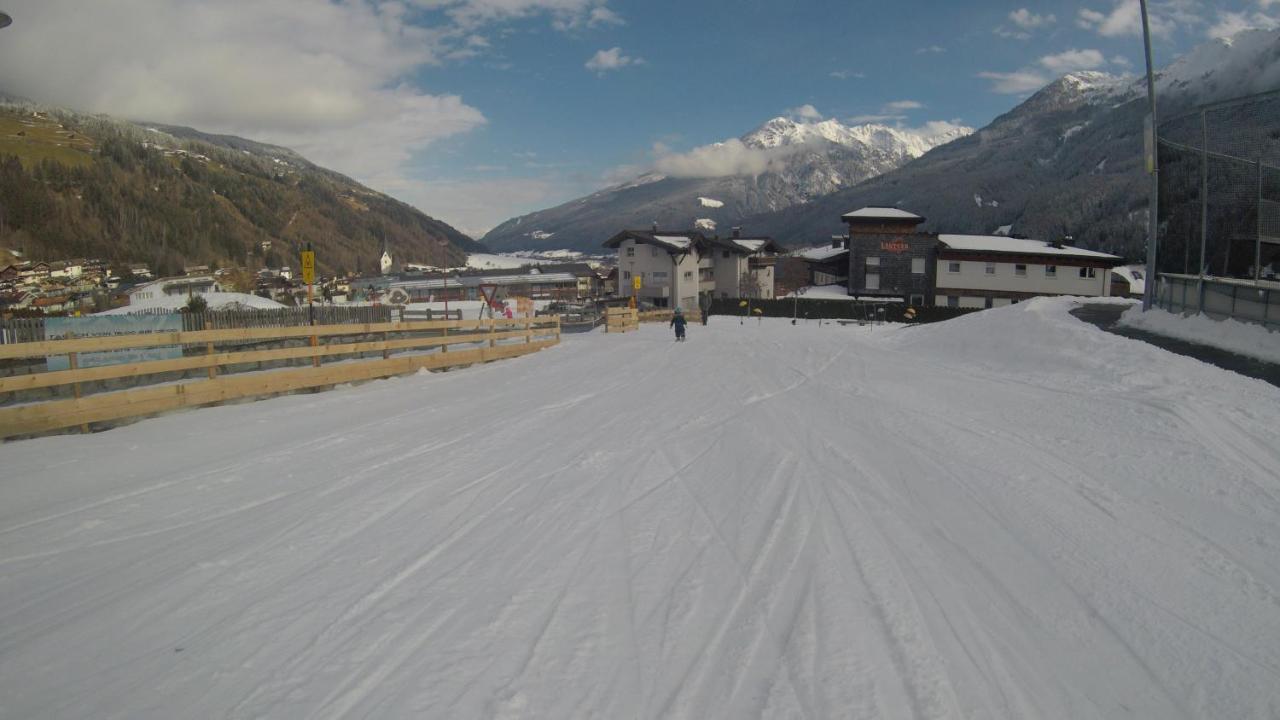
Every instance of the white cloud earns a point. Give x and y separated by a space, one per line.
1028 20
1072 60
804 112
846 74
1014 83
1126 19
731 157
326 79
604 16
903 105
1121 61
1230 23
930 49
611 59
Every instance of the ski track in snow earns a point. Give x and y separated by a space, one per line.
1010 515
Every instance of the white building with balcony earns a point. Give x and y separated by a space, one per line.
677 268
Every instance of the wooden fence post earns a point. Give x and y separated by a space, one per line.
528 330
73 361
493 328
213 369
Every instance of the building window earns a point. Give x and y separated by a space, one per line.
659 275
1088 272
688 274
953 301
873 262
1051 271
917 301
991 268
626 274
725 254
917 266
873 281
631 251
1020 270
953 267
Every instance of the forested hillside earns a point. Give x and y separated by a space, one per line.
77 186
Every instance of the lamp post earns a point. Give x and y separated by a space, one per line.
1152 168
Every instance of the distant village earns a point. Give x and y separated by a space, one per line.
882 258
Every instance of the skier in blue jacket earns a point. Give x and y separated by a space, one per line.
678 322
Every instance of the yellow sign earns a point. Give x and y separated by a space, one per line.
308 267
635 282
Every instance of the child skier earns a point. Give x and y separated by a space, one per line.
678 322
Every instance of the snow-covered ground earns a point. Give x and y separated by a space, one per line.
1242 338
488 261
1008 515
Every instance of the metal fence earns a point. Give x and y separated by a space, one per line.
32 329
1219 187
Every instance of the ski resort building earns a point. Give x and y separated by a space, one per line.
978 271
678 268
890 259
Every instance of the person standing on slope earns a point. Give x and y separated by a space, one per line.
678 322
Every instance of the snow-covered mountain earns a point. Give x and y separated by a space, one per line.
1064 162
782 163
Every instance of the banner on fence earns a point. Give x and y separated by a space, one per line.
58 328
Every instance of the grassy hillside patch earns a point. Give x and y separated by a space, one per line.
33 139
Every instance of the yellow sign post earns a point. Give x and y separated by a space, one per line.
308 267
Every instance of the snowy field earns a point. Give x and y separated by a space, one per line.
1008 515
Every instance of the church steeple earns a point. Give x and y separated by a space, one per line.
385 263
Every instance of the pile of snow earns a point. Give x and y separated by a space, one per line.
1242 338
710 202
706 224
822 292
217 301
1009 515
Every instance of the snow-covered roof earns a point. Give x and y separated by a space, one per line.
1001 244
750 245
678 240
818 254
1133 274
216 301
881 213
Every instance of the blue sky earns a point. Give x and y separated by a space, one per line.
478 110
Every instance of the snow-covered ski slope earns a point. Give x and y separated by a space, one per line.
1010 515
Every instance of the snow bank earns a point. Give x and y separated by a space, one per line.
1234 336
822 292
217 301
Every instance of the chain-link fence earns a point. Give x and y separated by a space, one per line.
1220 190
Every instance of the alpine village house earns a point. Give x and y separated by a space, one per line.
682 268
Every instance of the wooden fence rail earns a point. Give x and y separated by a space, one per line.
491 340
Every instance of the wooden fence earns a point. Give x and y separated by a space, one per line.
32 329
621 319
486 340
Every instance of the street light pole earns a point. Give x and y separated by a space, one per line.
1153 166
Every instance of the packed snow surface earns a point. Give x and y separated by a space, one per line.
1242 338
1008 515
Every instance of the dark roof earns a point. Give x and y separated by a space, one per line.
696 239
733 243
654 237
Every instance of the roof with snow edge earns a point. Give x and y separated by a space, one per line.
881 213
822 253
1002 244
683 241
